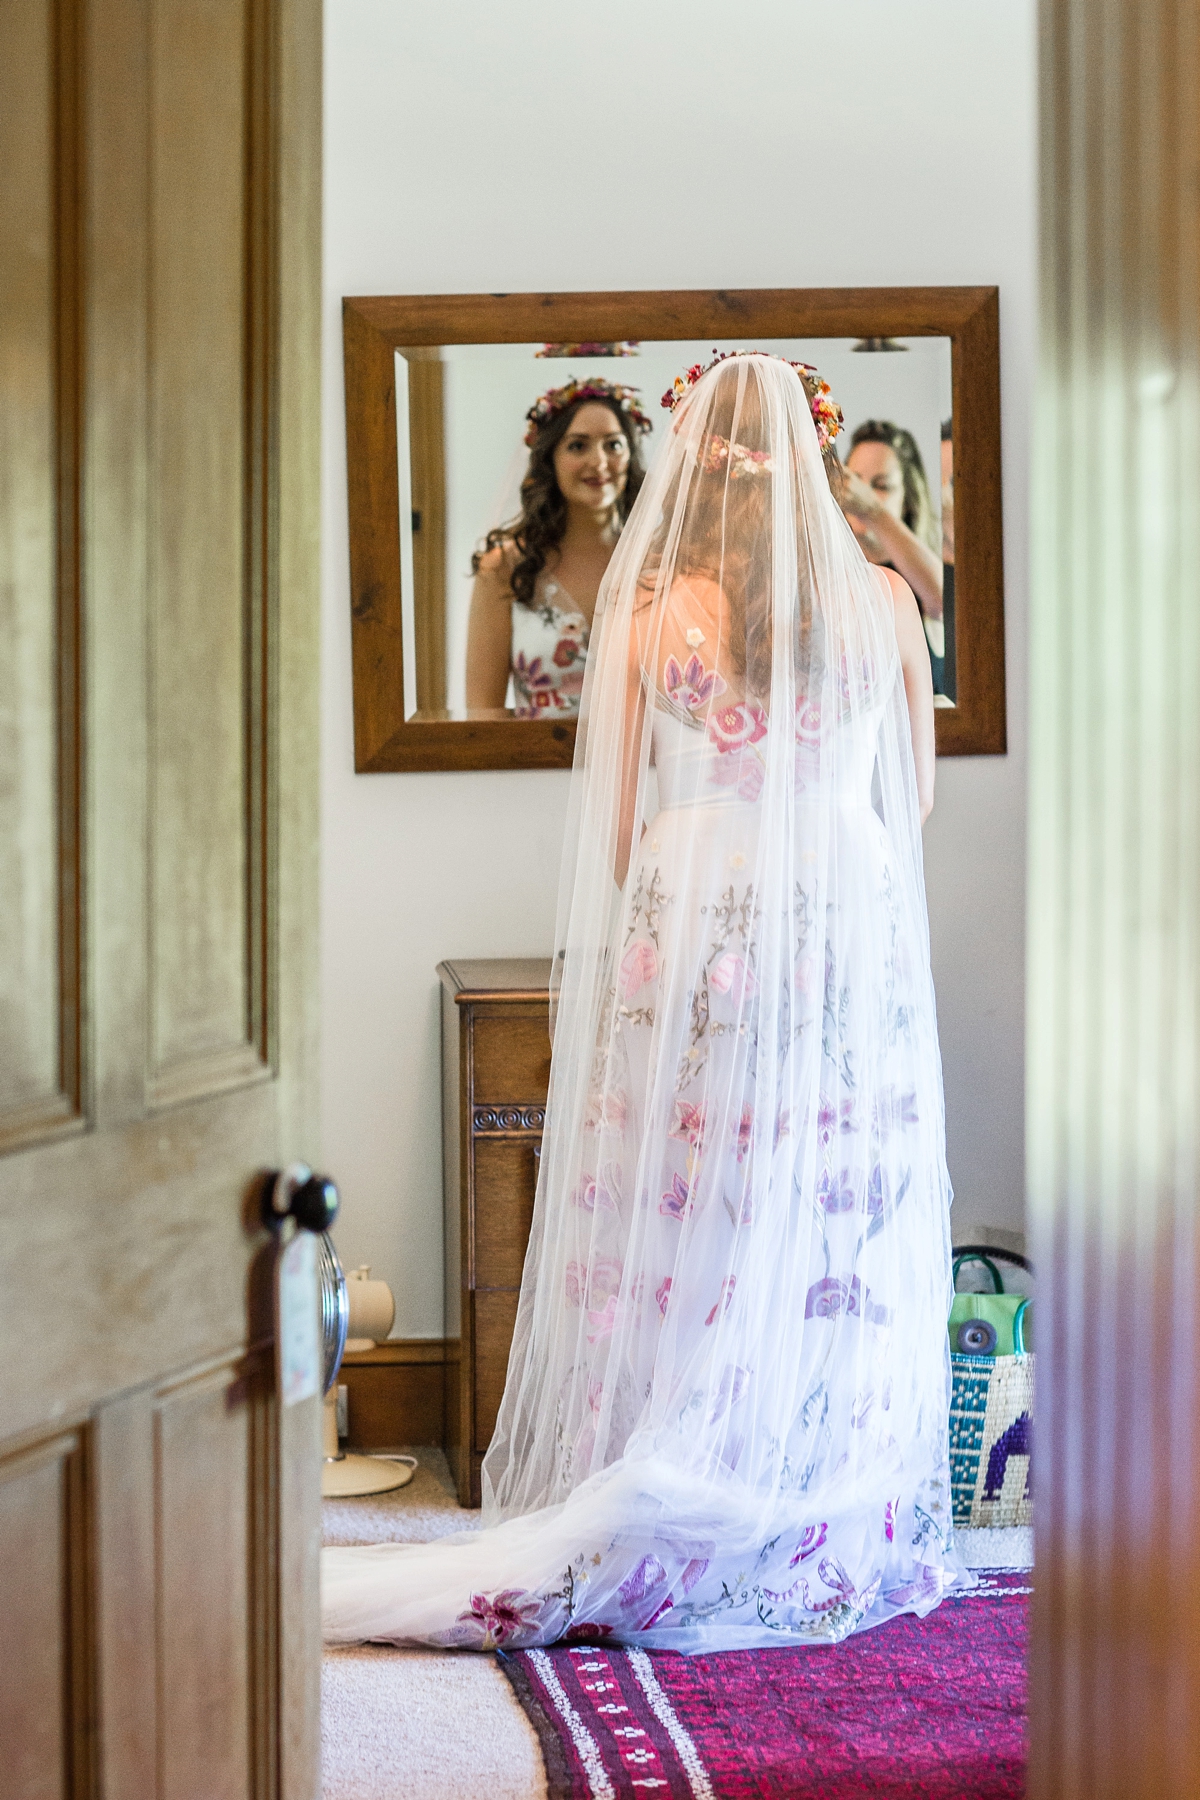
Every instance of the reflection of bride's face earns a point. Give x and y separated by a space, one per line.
591 463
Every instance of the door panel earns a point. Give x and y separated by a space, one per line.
34 1098
159 229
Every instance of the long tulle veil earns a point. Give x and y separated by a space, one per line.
730 1351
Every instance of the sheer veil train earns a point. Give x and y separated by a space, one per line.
725 1421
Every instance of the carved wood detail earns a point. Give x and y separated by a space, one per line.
509 1121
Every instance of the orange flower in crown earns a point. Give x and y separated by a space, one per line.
826 413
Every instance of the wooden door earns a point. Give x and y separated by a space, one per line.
159 301
1114 916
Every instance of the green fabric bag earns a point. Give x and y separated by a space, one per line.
1002 1317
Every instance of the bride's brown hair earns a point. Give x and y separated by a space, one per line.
728 532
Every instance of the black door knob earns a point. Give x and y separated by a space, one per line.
295 1192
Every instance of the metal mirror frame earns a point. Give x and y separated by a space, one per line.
375 327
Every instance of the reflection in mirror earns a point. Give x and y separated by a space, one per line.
518 464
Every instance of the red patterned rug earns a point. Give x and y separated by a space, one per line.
918 1709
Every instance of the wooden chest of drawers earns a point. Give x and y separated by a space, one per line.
495 1071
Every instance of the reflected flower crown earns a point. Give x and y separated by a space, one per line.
826 413
556 400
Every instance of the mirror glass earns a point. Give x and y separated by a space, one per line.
473 648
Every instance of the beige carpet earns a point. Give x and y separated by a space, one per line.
419 1724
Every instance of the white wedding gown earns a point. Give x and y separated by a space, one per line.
725 1422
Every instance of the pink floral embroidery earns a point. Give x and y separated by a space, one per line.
593 1284
638 966
810 1543
688 1123
889 1519
825 1298
734 727
501 1616
607 1111
726 1295
693 685
604 1192
744 772
648 1573
744 1132
732 975
576 1275
806 977
662 1294
600 1323
832 1119
676 1203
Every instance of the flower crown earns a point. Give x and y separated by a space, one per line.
556 400
826 413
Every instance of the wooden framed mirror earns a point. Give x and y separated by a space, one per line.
437 389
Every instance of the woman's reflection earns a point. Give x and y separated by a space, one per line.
537 577
885 496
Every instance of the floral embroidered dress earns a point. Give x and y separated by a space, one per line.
725 1422
549 652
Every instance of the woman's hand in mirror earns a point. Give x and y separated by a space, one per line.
887 539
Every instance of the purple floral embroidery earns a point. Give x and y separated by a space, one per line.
662 1294
602 1193
832 1119
875 1192
893 1110
647 1575
744 1133
732 1385
889 1519
501 1616
676 1204
825 1298
835 1193
693 685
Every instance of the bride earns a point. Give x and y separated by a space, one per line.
725 1421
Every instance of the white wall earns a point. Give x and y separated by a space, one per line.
472 147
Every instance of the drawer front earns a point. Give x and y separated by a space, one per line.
510 1053
505 1180
495 1315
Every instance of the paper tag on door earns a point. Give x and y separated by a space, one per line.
298 1338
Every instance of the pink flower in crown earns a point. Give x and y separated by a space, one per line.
638 966
688 1123
693 685
501 1617
677 1202
731 974
733 727
662 1294
723 1300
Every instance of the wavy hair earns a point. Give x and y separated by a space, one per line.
538 530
